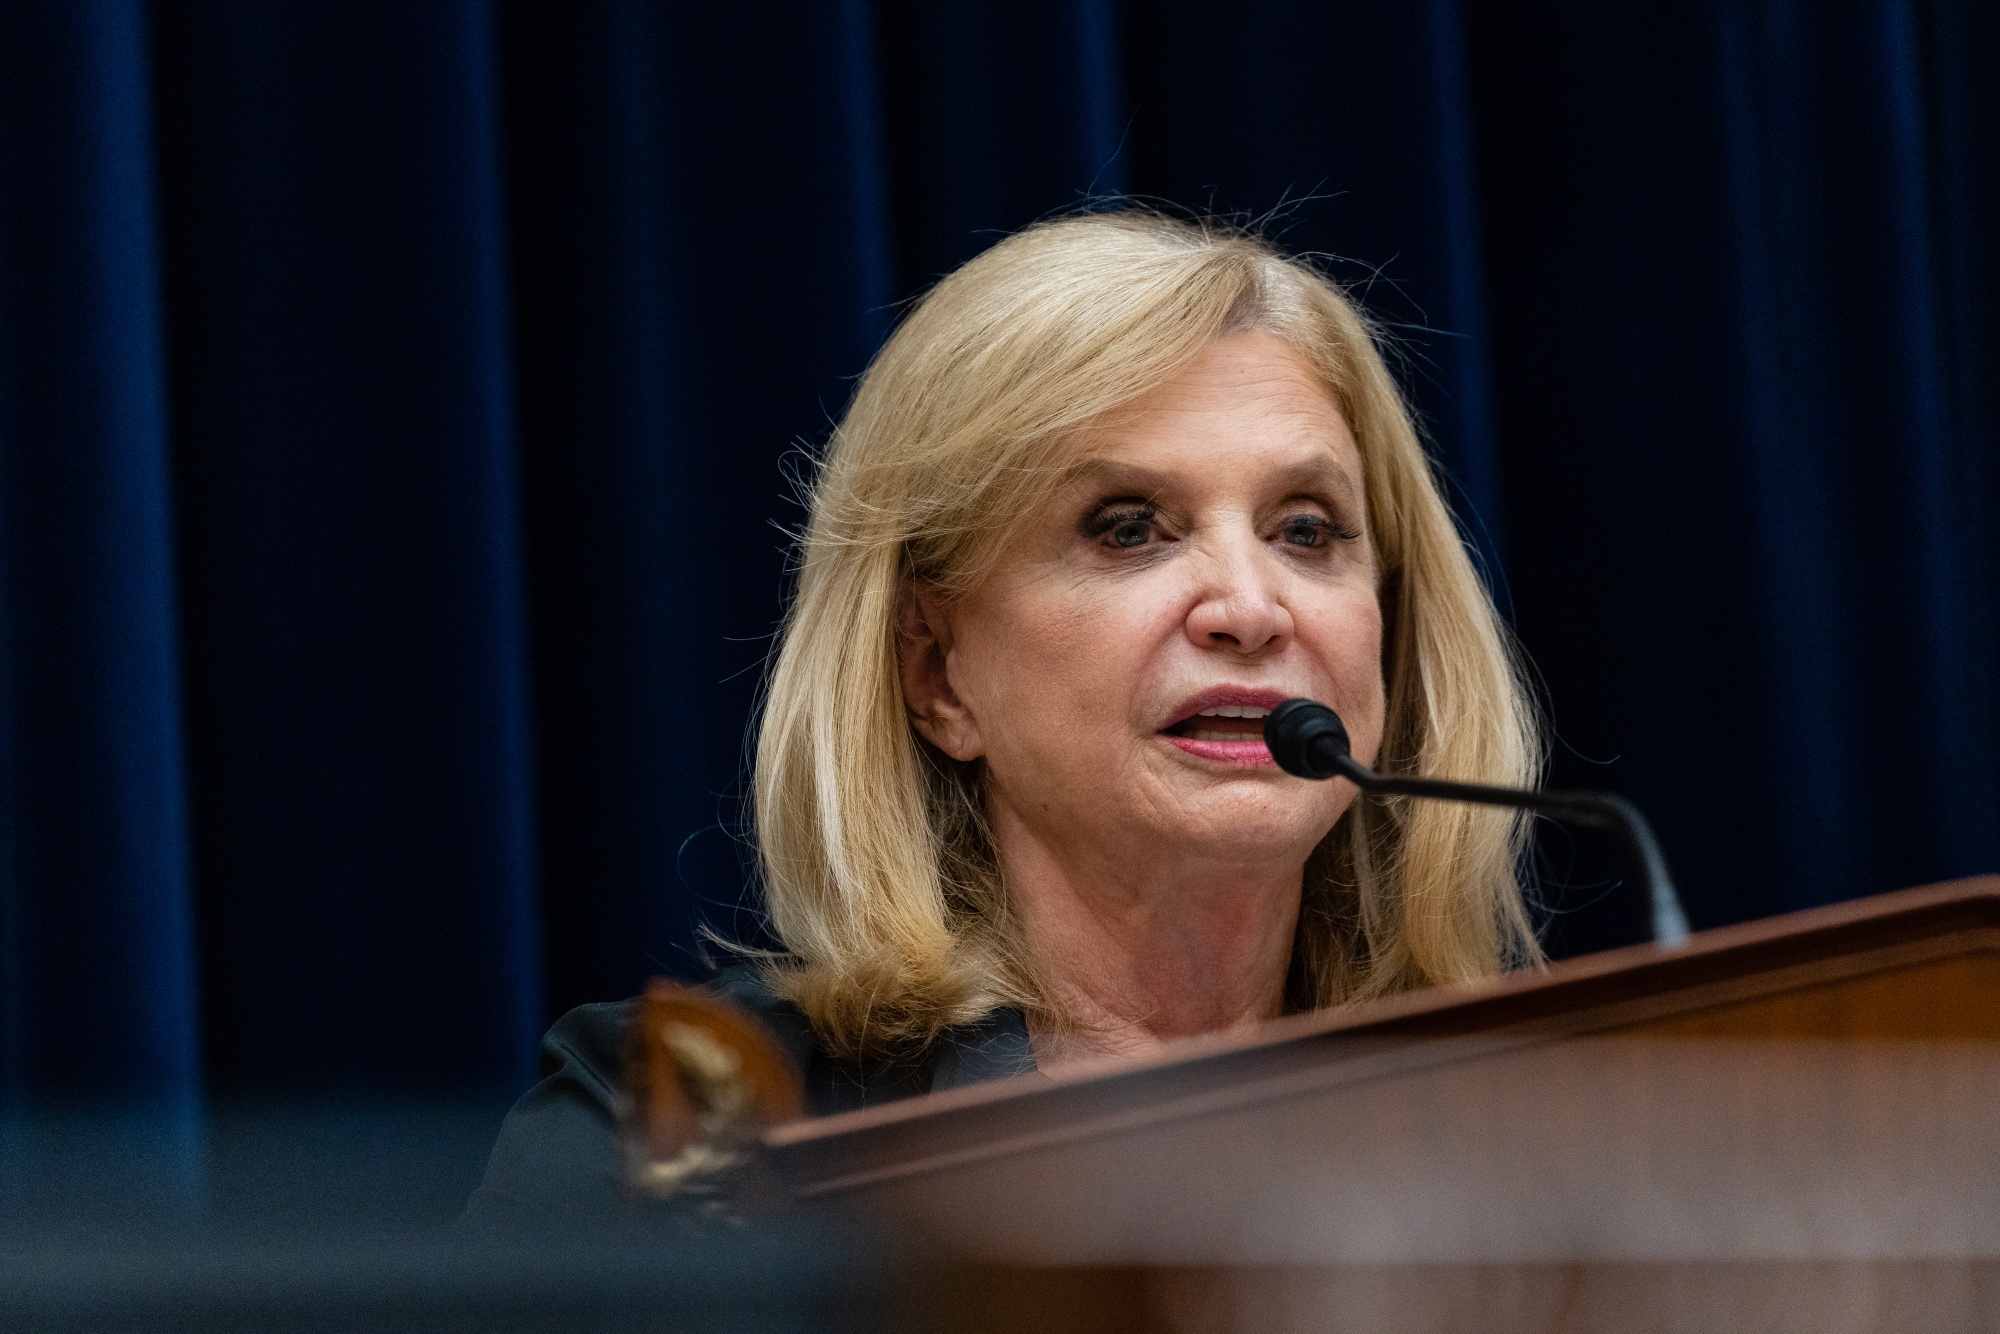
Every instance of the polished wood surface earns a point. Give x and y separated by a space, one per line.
1917 965
1789 1124
1805 1297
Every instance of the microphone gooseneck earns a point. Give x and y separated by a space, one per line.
1308 739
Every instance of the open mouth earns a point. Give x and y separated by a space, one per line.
1224 725
1223 722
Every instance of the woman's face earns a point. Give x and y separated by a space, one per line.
1113 671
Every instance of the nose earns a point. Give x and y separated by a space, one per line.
1239 607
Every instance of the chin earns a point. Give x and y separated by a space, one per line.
1247 825
1242 849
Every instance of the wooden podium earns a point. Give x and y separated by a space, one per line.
1790 1124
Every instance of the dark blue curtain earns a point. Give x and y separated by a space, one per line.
399 406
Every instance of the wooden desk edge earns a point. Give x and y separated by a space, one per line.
1490 1006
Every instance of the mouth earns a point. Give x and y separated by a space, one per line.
1225 724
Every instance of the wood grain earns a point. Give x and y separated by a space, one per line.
1802 975
1792 1125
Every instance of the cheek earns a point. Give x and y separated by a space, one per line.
1047 666
1345 640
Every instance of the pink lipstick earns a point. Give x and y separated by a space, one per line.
1225 724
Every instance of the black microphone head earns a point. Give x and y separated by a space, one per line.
1306 738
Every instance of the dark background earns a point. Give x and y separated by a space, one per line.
398 401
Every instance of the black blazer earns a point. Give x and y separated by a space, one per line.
557 1157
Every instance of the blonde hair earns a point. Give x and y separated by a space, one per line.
879 876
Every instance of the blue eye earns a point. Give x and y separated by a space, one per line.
1311 530
1124 526
1132 532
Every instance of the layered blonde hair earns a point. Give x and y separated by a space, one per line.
879 874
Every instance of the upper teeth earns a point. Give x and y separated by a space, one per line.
1233 711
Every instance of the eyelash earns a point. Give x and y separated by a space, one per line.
1103 522
1331 530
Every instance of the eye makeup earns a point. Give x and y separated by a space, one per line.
1318 527
1138 518
1108 515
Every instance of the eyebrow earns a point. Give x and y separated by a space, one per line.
1321 473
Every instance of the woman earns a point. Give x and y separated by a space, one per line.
1112 491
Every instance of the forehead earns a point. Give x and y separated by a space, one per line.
1246 401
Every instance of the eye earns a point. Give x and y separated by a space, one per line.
1132 532
1122 526
1305 530
1314 530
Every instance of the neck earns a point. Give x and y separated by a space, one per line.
1140 945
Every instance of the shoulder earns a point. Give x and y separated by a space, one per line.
587 1045
585 1049
746 987
831 1084
557 1156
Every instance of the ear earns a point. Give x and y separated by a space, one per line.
924 645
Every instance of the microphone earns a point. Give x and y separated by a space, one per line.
1308 740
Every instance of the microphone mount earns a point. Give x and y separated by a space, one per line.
1308 740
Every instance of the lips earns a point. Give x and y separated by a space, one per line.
1224 724
1226 697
